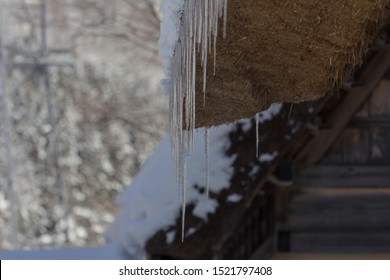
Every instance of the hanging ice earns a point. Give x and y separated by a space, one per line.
189 29
257 134
206 144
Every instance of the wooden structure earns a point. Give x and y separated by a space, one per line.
338 202
341 196
341 204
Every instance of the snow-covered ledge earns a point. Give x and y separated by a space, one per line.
151 203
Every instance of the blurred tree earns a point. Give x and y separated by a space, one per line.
84 113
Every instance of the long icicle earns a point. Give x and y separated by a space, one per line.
206 145
205 47
199 30
257 134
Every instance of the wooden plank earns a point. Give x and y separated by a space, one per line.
379 138
265 251
366 145
379 102
356 146
381 121
321 176
331 256
335 153
341 210
339 170
370 77
340 242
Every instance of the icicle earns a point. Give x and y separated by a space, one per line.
183 207
205 46
206 145
198 32
257 134
225 6
217 11
215 51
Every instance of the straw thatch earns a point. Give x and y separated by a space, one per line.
285 51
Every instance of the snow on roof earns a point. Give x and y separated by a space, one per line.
169 30
234 198
268 157
263 116
151 202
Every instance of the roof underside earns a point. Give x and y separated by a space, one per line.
285 51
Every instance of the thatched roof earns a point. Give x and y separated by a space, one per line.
285 51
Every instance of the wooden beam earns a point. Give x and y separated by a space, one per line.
323 176
330 256
381 121
369 78
340 242
265 251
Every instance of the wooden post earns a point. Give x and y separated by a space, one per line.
369 79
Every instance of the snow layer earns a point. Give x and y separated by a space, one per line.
234 198
172 11
170 236
262 117
105 252
190 232
268 157
151 202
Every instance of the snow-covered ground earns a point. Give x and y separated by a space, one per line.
152 202
104 252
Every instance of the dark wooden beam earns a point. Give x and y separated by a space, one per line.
381 121
266 251
355 98
323 176
340 242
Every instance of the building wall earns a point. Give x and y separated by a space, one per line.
366 140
